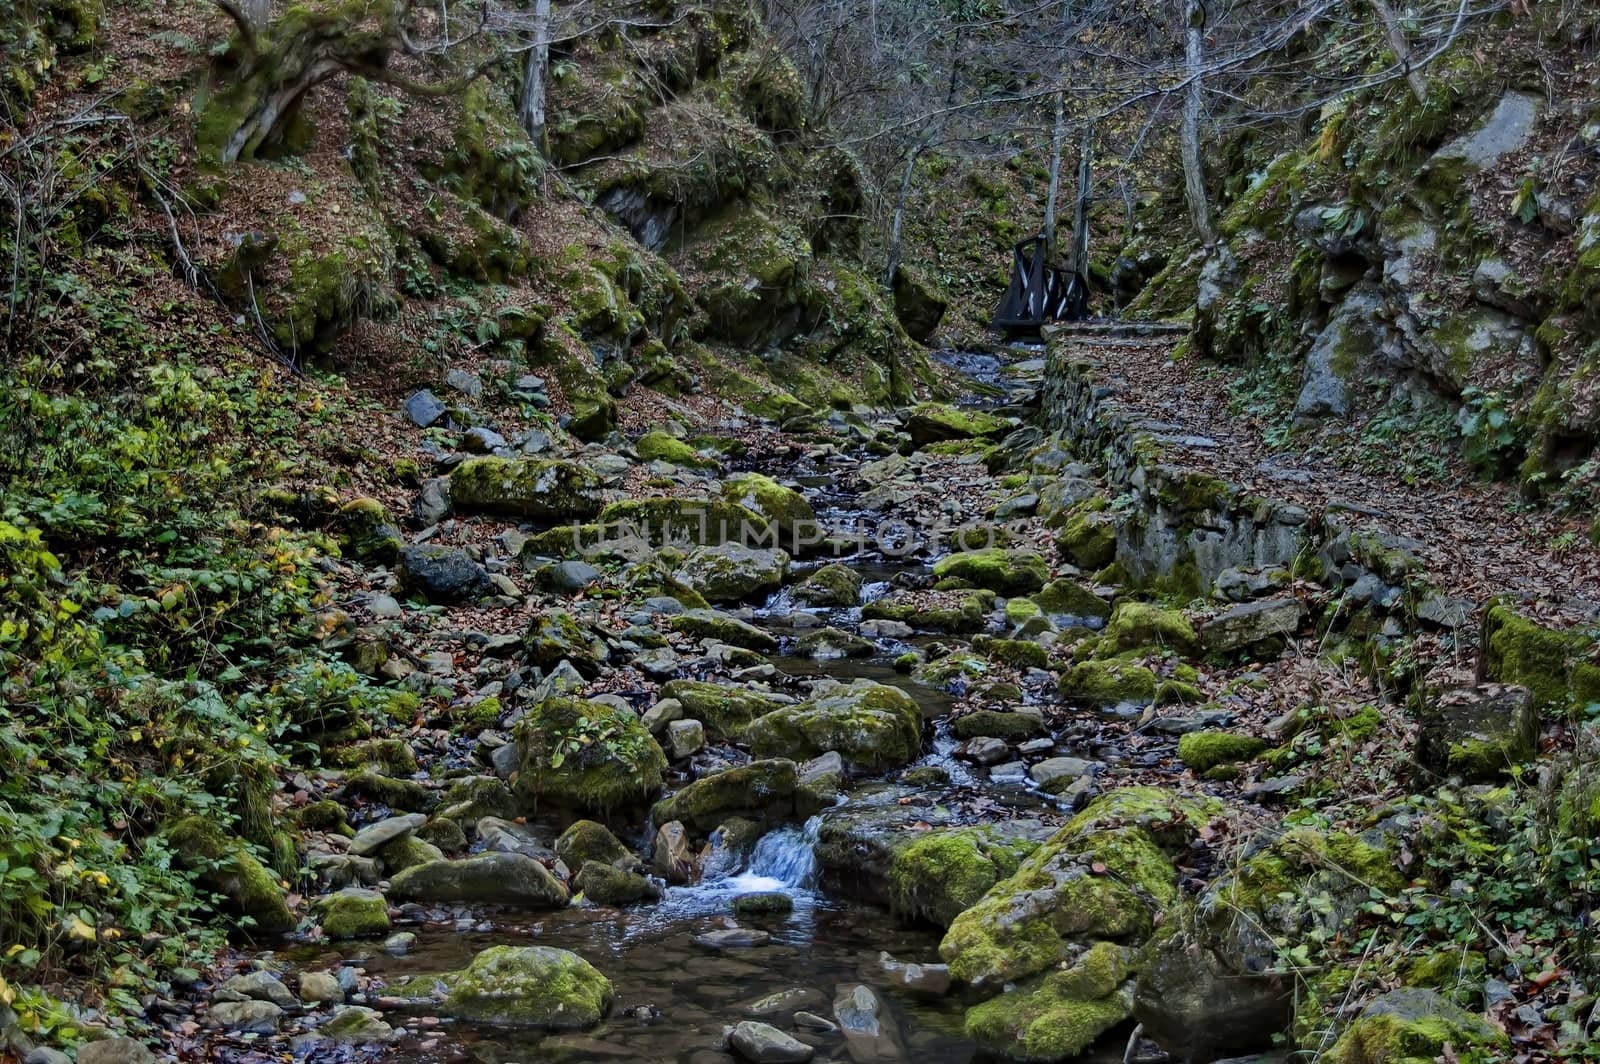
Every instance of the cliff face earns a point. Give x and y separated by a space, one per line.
1439 252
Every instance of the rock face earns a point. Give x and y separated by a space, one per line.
871 725
1504 131
1478 733
443 575
586 756
918 306
490 879
1251 623
527 986
733 572
544 489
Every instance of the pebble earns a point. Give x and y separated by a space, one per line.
732 938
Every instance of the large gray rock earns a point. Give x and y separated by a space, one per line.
1251 623
491 879
1478 733
1345 347
374 837
733 572
1506 130
115 1051
247 1017
443 575
870 1032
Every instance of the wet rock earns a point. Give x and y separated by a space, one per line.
870 1032
869 724
246 1017
725 709
442 575
670 856
812 1022
256 986
685 738
319 988
760 790
733 572
587 841
1060 1015
783 1001
357 1025
762 1043
790 516
819 781
1057 773
831 585
882 629
110 1051
723 627
604 884
527 986
491 879
400 945
1250 624
932 980
763 903
408 853
1478 733
504 836
354 913
934 422
985 750
733 938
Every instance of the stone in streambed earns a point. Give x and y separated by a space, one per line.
732 938
246 1017
354 913
607 885
726 709
623 770
762 1043
320 988
828 644
723 627
870 1032
490 879
763 903
544 489
869 724
831 585
105 1051
733 572
357 1025
685 738
255 986
1007 572
443 575
526 986
587 841
760 790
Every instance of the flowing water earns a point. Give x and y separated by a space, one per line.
676 997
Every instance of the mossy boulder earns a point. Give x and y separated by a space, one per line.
486 879
354 913
831 585
408 852
1108 682
521 986
1552 664
1479 733
1008 572
224 867
942 873
870 725
604 884
586 841
931 423
1413 1025
917 303
539 488
658 446
1135 625
554 636
1088 539
586 757
1203 751
1018 653
705 522
760 790
998 724
940 611
724 628
827 644
725 709
788 512
367 533
732 572
1072 599
1059 1016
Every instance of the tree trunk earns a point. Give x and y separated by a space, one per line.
530 108
1401 48
929 139
1080 212
1194 177
1056 144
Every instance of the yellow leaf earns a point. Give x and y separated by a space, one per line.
7 995
79 929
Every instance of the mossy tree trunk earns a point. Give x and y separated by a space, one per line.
1194 176
531 107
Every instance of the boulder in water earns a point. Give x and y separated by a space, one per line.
762 1043
869 724
520 986
490 878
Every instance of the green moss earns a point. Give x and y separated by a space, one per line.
528 986
1134 625
943 611
709 624
724 709
354 913
1108 683
227 869
870 725
1057 1017
944 872
1088 539
407 795
1020 610
658 446
1205 750
586 756
998 724
705 522
391 756
760 790
1071 598
547 489
1008 572
1516 650
407 853
1018 653
367 533
786 509
1414 1026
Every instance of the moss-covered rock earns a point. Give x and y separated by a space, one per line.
760 790
1412 1025
658 446
408 852
1018 653
1134 625
935 422
1008 572
605 884
1108 682
392 756
870 725
725 709
1205 750
1059 1016
790 515
1547 662
1088 539
831 585
224 867
941 611
704 522
544 489
554 636
732 572
1479 733
998 724
1072 599
367 532
943 872
714 624
521 986
587 841
486 879
917 303
354 913
586 757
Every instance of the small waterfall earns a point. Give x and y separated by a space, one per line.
787 856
